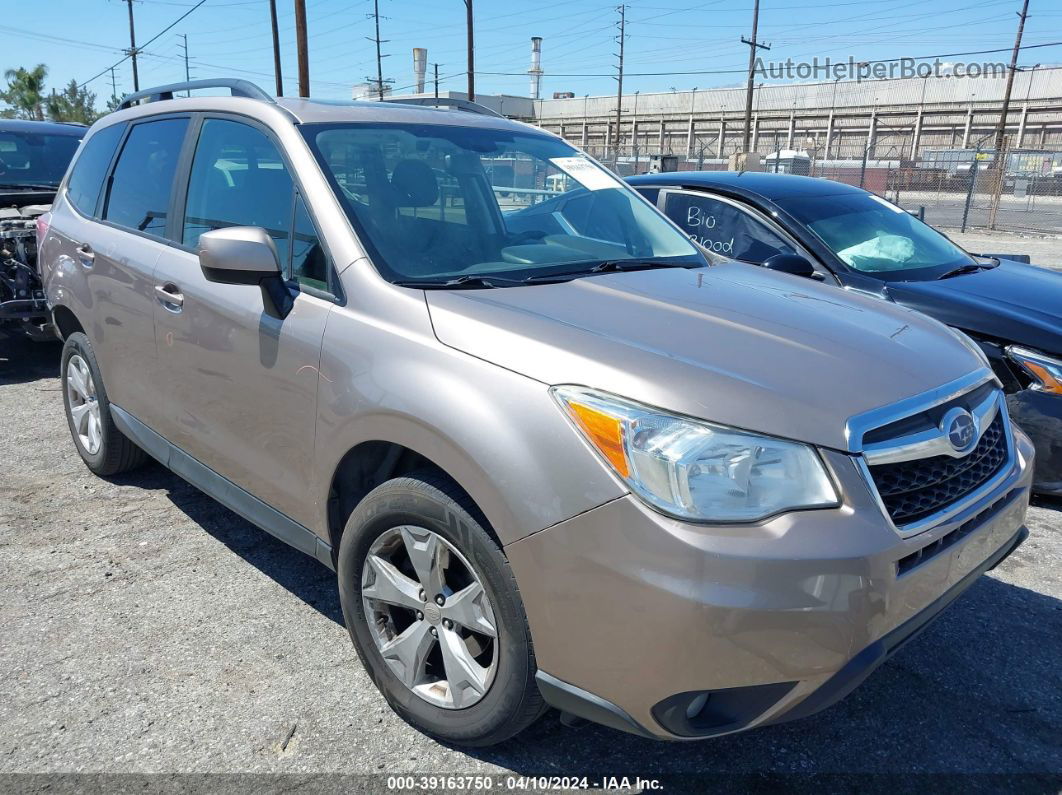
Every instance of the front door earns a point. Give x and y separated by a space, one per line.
242 381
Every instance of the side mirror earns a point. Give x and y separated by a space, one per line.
245 255
238 255
790 263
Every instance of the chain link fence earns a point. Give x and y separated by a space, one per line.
926 145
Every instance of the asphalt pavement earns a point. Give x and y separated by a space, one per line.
147 629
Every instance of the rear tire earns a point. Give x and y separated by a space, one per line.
104 449
430 515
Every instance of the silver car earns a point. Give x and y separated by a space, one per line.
554 454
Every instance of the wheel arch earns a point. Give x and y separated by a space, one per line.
66 322
374 461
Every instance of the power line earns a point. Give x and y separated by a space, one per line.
141 48
742 70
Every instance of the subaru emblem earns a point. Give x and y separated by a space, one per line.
959 426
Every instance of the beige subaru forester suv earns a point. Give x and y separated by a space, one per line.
554 454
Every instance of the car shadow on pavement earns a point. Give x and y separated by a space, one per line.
977 693
1044 501
303 576
22 360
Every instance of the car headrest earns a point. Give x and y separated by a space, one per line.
414 184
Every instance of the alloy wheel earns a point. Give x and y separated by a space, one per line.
430 616
84 408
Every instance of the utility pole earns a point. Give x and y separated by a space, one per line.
379 58
132 46
619 78
1001 128
436 80
300 45
276 47
114 86
187 73
471 52
753 46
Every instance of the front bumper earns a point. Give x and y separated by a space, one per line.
678 631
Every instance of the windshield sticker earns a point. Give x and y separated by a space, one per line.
587 173
888 204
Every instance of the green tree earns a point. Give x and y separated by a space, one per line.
73 103
25 91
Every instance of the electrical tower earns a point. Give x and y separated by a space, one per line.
622 38
132 51
378 83
753 46
187 72
1001 128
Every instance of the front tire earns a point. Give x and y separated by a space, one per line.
103 448
433 610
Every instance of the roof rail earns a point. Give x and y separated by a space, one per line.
446 102
238 88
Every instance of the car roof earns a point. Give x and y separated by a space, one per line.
49 127
311 111
759 183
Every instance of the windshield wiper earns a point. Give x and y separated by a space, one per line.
27 186
608 266
612 266
970 268
461 281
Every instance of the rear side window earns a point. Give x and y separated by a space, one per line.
725 229
142 181
86 179
238 179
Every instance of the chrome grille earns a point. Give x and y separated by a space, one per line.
914 490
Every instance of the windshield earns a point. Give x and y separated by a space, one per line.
872 235
436 203
29 158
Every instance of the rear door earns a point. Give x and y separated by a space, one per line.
242 381
112 235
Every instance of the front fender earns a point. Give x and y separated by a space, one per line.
498 434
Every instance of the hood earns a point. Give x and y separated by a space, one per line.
1012 302
734 344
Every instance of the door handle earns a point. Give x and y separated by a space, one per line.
86 255
170 295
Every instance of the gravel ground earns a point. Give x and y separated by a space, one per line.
147 629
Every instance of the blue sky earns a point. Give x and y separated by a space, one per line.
79 38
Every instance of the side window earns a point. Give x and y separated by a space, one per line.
139 196
86 179
238 179
725 229
309 264
651 194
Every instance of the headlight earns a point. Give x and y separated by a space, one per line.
695 470
1046 371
